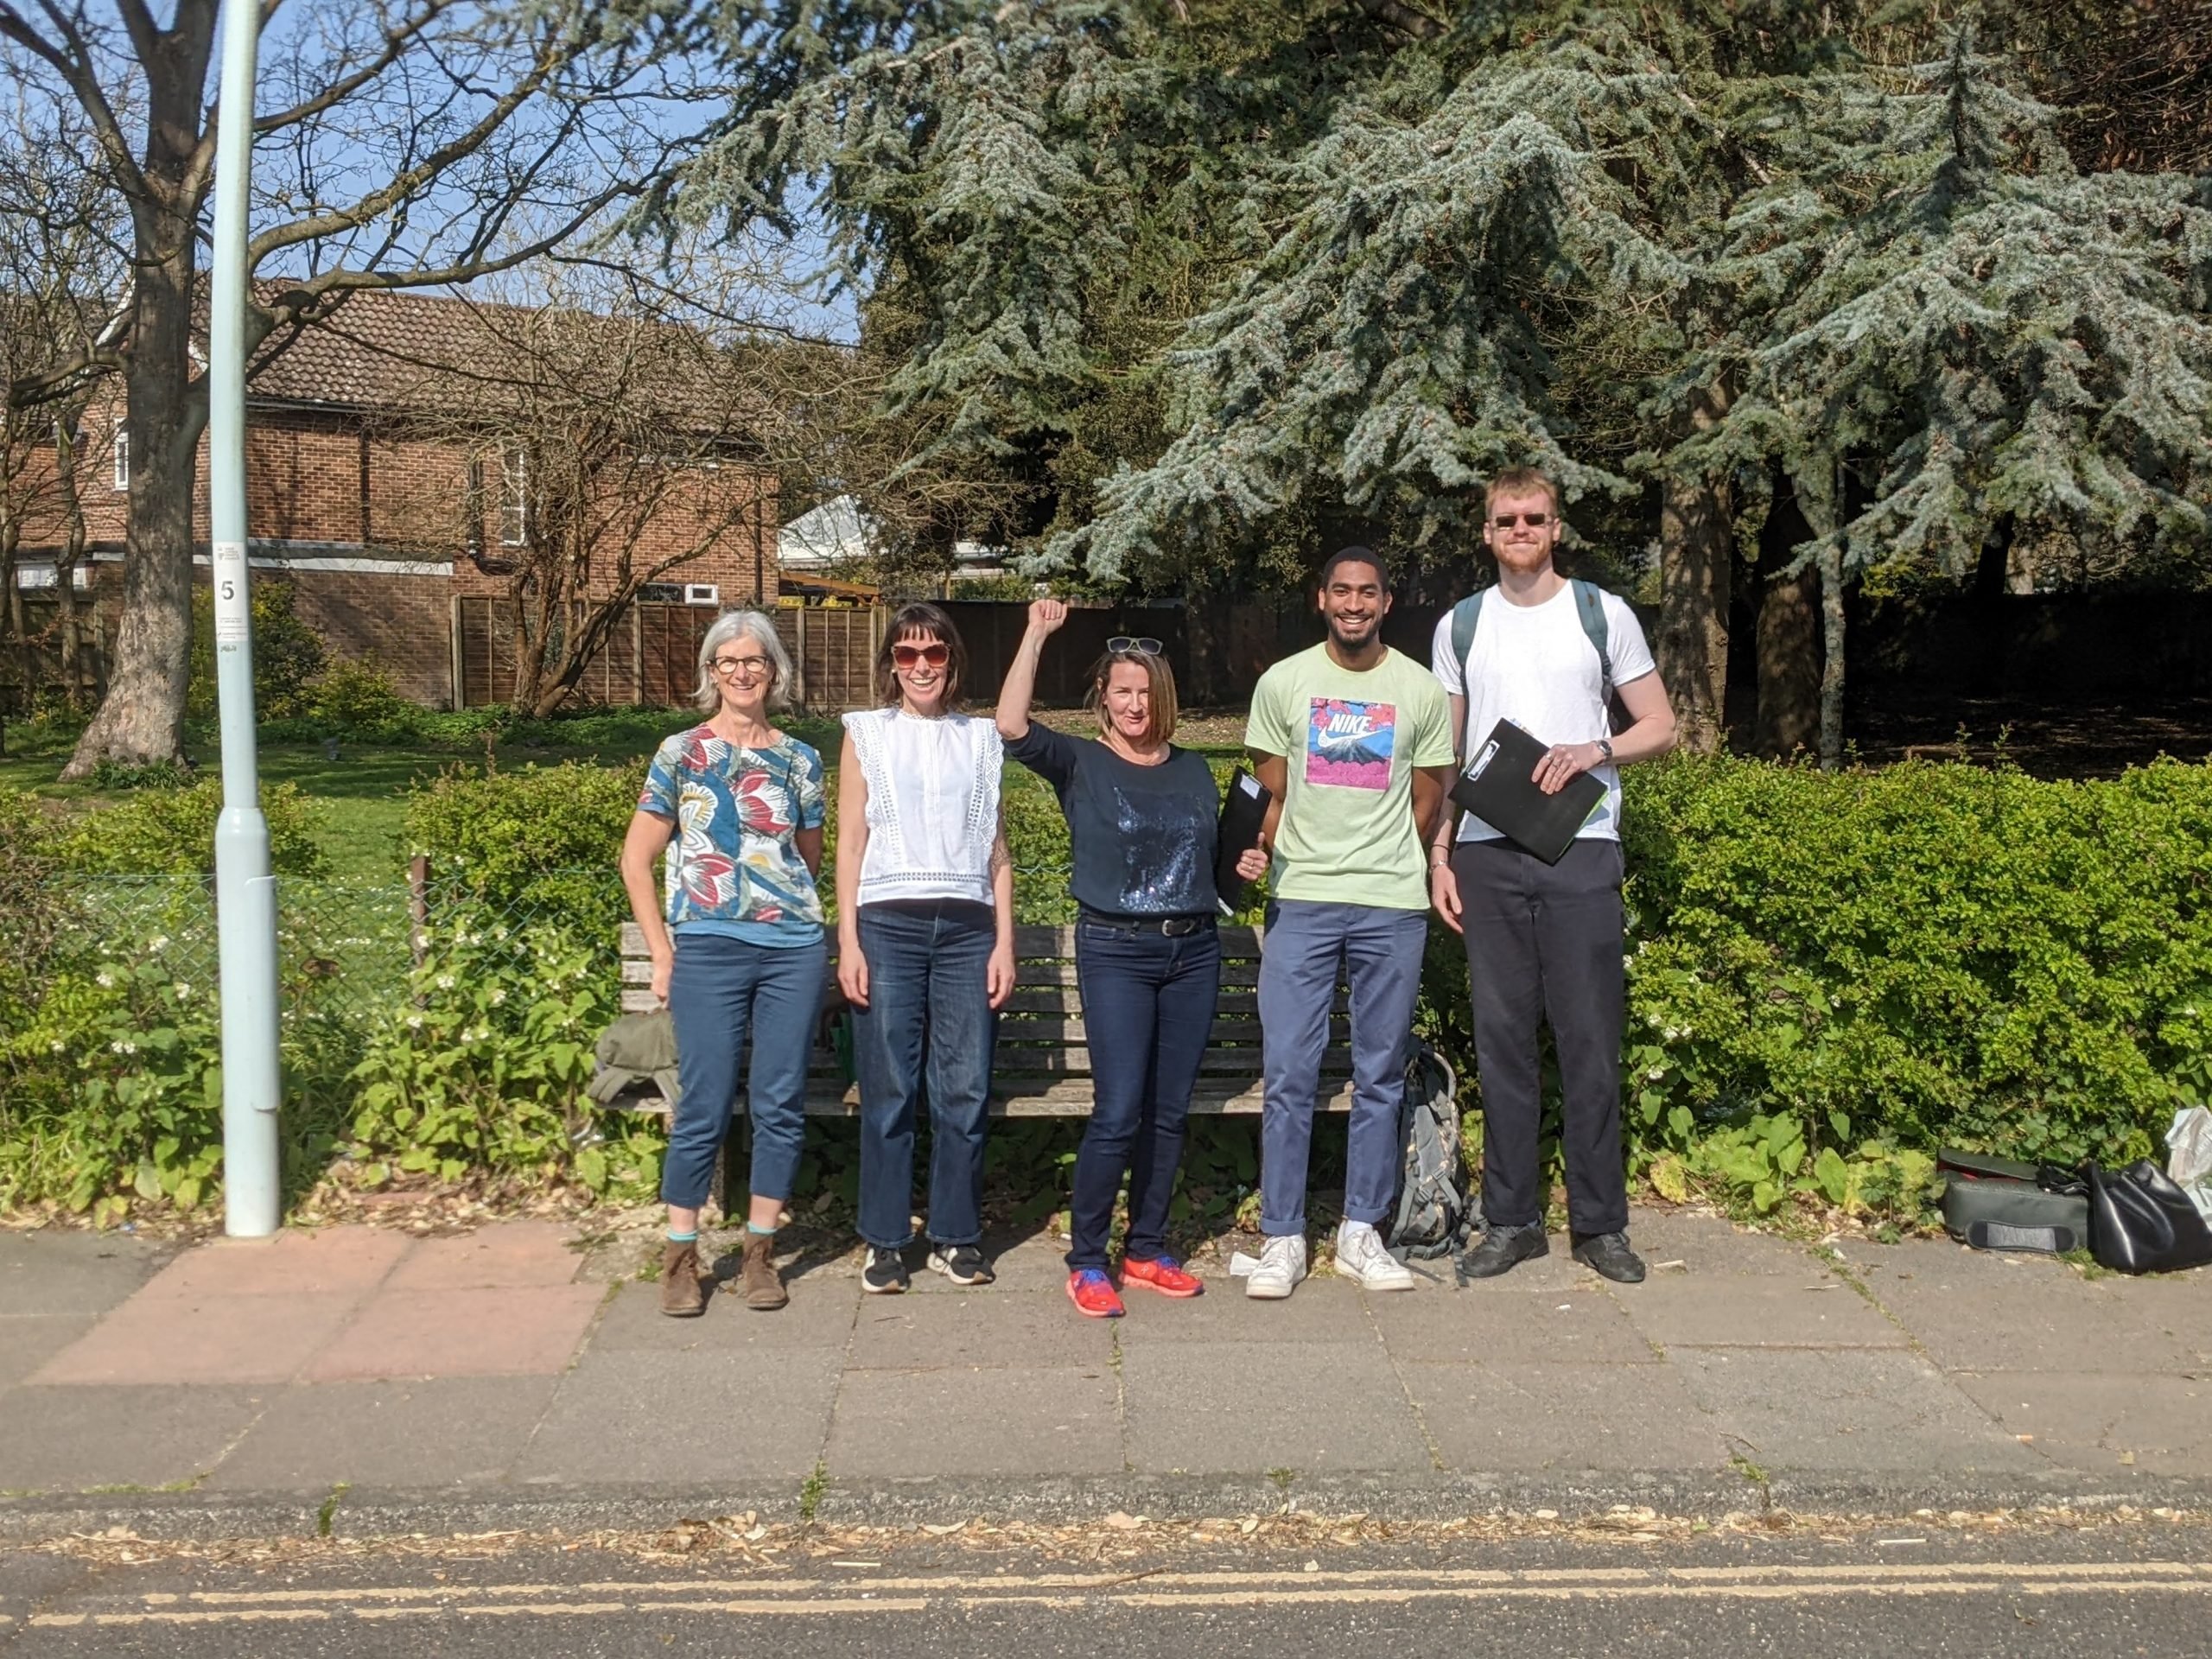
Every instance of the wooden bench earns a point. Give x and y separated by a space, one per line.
1042 1064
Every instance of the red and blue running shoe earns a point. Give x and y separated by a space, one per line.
1163 1273
1092 1292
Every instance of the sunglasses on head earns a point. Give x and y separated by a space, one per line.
1534 520
936 655
1149 646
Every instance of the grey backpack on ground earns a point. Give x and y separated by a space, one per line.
1436 1213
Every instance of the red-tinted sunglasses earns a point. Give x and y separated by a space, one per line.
936 656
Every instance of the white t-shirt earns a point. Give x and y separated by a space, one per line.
1534 666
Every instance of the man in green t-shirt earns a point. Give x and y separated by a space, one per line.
1354 741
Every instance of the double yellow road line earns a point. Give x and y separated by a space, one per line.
822 1598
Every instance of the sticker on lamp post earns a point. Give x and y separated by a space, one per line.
233 619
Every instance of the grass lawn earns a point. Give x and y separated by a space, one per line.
363 787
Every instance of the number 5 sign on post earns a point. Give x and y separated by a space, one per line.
233 622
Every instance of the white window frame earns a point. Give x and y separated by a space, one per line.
701 593
514 495
122 455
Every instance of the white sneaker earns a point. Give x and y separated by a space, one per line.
1282 1265
1362 1258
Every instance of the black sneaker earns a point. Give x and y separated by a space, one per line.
884 1274
1609 1255
961 1263
1503 1248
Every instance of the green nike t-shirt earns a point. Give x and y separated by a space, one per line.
1351 740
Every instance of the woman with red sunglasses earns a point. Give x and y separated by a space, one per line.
925 943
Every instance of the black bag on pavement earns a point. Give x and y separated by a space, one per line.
2140 1221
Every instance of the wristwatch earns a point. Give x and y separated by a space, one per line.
1605 750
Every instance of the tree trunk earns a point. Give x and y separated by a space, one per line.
66 563
140 721
1790 664
1830 564
1696 545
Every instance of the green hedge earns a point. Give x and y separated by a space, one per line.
1949 953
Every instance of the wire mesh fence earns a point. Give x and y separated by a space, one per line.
357 943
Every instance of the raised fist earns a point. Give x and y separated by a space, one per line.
1045 615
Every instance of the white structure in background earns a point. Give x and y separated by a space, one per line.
838 537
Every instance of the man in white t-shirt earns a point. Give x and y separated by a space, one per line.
1544 940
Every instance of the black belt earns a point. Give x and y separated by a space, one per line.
1173 927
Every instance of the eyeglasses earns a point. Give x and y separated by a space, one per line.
1534 520
1134 642
936 654
729 667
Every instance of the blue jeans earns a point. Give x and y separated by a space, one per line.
1378 953
926 1033
1148 1012
722 989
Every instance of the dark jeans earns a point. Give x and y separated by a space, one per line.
926 1033
1148 1012
1308 947
1544 942
721 990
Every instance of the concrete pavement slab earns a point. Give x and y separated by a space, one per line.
819 1316
1866 1411
337 1260
432 1433
1975 1311
51 1272
1809 1309
1707 1245
522 1332
1259 1406
509 1256
168 1339
1491 1417
964 1423
27 1343
1495 1326
72 1438
1320 1311
2103 1424
990 1328
683 1419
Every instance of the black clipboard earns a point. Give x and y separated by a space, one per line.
1498 786
1243 814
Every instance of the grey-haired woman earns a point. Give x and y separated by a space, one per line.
737 805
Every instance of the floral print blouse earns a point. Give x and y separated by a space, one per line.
733 865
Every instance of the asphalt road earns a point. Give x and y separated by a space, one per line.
1837 1592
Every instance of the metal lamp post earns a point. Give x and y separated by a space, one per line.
245 892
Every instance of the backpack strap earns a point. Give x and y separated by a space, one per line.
1589 607
1465 615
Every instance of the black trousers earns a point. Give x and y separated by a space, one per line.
1544 942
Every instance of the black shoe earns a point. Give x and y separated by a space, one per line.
884 1273
961 1263
1609 1255
1505 1248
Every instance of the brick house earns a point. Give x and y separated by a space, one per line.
391 481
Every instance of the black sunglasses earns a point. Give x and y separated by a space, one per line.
1534 520
1134 642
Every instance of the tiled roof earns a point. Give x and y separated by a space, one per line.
387 350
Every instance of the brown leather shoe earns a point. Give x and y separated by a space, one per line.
764 1286
681 1295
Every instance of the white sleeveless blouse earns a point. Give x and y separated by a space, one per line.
932 804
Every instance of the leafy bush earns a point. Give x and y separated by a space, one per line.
171 832
486 1071
359 698
287 654
541 843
